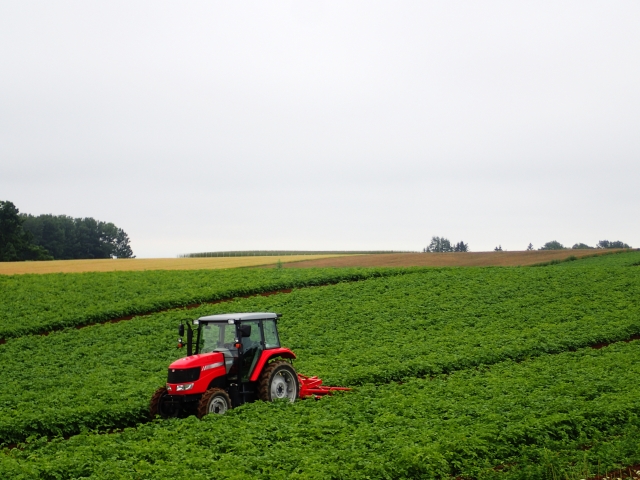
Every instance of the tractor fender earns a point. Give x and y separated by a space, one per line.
267 355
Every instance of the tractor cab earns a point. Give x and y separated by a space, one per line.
241 339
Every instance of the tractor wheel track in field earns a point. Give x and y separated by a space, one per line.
597 346
185 307
152 312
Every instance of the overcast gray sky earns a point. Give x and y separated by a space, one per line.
201 126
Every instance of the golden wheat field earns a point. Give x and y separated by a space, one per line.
122 264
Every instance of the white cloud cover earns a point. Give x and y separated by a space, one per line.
204 126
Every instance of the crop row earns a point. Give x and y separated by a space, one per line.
522 417
42 303
450 319
614 259
374 331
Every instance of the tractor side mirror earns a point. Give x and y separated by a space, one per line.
245 330
181 330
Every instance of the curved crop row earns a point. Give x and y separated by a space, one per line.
375 331
42 303
625 258
555 415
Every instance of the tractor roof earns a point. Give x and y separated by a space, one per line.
225 317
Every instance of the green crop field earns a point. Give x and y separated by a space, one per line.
41 303
456 373
625 259
531 415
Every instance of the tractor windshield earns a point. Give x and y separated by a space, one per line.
216 336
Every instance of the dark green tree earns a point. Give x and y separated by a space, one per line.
581 246
552 245
498 248
15 242
461 247
608 244
55 233
530 247
119 240
443 245
75 238
439 244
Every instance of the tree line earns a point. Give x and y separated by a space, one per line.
58 237
602 244
443 245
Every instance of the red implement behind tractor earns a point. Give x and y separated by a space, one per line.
236 358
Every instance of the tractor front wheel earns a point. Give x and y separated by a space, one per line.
278 380
162 405
214 400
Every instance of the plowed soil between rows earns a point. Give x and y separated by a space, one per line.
458 259
186 307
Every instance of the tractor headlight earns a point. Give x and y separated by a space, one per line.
213 365
184 387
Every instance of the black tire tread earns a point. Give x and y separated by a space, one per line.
154 404
264 381
206 396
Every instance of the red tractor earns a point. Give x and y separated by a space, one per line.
236 358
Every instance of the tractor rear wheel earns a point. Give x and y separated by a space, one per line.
161 405
278 380
214 400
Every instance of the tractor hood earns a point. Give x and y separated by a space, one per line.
199 360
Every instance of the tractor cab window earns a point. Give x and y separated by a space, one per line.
216 336
253 340
251 348
271 339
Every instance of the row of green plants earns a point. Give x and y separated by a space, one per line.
570 415
371 332
41 303
613 259
450 319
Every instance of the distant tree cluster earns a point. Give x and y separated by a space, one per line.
69 238
580 246
59 237
441 245
15 242
555 245
552 245
608 244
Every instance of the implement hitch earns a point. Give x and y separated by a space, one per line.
312 387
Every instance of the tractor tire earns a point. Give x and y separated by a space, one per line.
214 400
158 405
278 380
